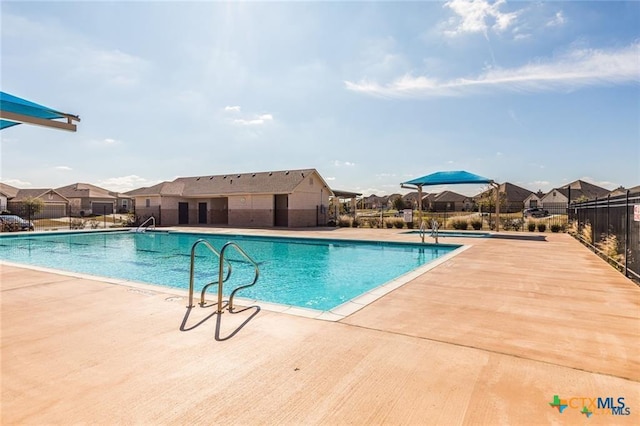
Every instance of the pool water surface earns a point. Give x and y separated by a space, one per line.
318 274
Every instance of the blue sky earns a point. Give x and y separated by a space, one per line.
370 94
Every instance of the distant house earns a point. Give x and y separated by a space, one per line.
292 198
534 200
514 197
411 199
375 202
558 198
7 192
85 199
55 205
450 201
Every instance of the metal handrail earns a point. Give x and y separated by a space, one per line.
423 227
434 229
191 280
152 219
255 278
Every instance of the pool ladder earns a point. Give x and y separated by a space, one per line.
222 277
142 227
434 229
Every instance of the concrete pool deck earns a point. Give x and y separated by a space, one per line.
487 337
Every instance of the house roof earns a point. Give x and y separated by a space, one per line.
449 197
582 189
514 193
83 190
278 182
8 190
23 194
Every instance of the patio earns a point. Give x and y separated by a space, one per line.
487 337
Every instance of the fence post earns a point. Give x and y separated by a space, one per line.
595 222
627 225
104 216
608 220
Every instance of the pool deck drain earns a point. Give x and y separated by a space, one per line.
486 337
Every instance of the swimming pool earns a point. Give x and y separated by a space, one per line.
319 274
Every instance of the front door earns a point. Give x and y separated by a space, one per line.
281 217
202 213
183 213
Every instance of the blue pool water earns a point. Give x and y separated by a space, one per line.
312 273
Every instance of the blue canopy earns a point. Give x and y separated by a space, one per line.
444 178
15 110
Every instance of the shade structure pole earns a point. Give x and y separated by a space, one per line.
420 205
497 206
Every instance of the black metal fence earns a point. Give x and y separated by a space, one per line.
611 227
20 217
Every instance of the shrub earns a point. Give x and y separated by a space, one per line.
410 225
77 224
388 222
476 224
531 226
542 227
460 224
374 222
356 222
399 224
344 221
609 247
586 234
556 227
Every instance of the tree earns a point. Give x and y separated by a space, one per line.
399 204
487 200
31 207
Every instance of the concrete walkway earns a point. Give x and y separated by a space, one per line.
488 337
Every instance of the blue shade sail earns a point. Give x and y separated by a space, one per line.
15 110
450 177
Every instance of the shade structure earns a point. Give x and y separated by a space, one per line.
451 178
448 178
15 110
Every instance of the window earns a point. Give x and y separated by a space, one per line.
533 203
125 204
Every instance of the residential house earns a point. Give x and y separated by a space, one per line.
556 200
450 201
55 205
292 198
375 202
7 192
534 200
86 199
514 197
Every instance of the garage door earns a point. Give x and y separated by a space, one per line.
102 208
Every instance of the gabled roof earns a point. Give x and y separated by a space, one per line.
513 193
450 197
83 190
23 194
582 189
279 182
8 190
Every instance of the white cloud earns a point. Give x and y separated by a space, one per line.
64 168
576 69
17 183
125 183
339 163
558 20
261 119
234 108
478 16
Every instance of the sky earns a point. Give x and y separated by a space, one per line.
371 94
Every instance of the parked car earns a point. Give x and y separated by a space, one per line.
16 222
535 212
